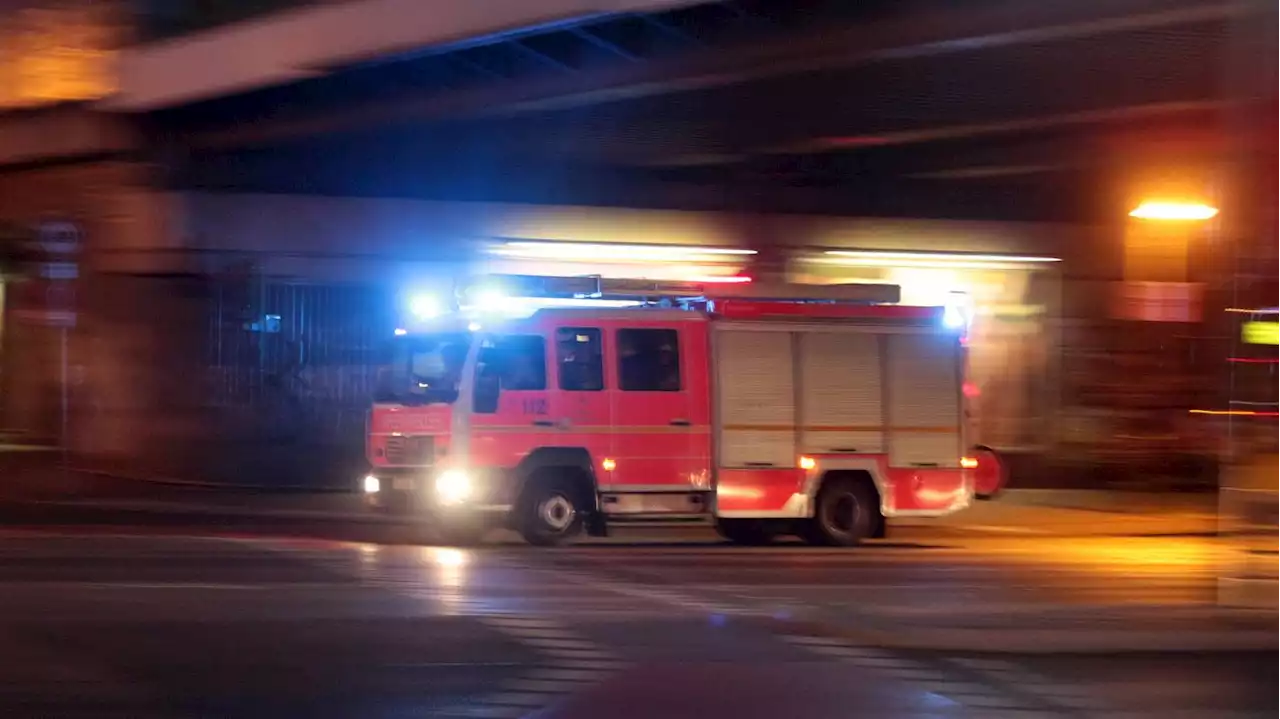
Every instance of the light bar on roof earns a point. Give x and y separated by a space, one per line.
521 307
618 252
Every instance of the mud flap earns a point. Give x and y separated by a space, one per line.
990 477
596 525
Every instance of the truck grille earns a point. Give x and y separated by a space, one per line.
409 450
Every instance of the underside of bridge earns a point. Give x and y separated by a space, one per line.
983 110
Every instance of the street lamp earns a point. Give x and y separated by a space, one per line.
1173 211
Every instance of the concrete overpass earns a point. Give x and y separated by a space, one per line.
994 111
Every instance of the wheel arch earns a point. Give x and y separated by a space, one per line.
863 467
552 458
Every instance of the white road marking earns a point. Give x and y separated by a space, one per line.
668 597
554 644
202 586
523 699
815 641
559 673
882 662
544 686
950 688
1044 689
483 711
578 655
604 665
906 670
919 675
580 661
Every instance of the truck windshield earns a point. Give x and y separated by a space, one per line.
424 369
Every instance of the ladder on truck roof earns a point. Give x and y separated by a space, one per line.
677 292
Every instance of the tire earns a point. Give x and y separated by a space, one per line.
550 511
748 532
847 512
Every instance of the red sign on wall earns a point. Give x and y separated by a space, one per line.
47 296
1158 301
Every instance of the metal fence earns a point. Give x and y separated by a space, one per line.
301 358
230 378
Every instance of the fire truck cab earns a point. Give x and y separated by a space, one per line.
583 405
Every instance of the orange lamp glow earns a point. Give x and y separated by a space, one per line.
807 463
1169 211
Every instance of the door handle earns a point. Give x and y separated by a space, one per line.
543 423
759 464
681 423
845 450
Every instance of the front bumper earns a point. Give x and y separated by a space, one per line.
414 490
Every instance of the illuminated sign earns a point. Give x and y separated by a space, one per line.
1260 333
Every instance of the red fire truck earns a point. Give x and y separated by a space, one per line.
560 405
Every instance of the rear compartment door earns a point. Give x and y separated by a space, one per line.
756 409
841 408
924 400
922 395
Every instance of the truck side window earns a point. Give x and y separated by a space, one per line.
649 360
509 363
578 354
522 362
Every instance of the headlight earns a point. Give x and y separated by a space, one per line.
453 486
372 485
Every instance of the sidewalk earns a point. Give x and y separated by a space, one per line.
32 478
1040 629
1042 512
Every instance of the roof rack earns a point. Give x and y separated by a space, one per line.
675 292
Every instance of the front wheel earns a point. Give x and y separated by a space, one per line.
549 513
846 514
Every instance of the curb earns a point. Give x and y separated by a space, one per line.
1042 641
173 481
206 510
1126 502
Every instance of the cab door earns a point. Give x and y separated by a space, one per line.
661 419
511 410
580 407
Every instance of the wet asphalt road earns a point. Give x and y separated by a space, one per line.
112 622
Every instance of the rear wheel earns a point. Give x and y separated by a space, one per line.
550 512
847 512
749 532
